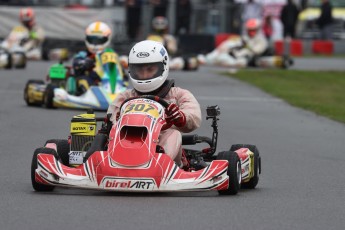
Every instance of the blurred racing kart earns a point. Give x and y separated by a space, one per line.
62 89
12 54
125 156
17 48
234 43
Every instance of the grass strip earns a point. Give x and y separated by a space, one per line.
322 92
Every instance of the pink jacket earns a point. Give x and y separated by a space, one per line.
182 97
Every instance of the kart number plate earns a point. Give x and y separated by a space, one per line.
142 108
108 57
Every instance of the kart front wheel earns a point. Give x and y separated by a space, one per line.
26 91
251 184
49 96
234 172
62 148
9 61
38 186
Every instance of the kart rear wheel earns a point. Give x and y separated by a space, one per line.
23 63
252 183
191 63
38 186
26 93
9 61
49 96
62 148
234 172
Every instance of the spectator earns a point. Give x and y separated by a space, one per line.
304 4
289 16
133 16
268 27
251 10
183 12
159 7
325 21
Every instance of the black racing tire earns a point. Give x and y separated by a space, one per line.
252 183
38 186
287 62
234 172
48 96
190 64
26 96
63 148
23 65
9 61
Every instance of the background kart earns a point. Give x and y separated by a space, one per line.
12 54
15 51
62 89
129 159
266 60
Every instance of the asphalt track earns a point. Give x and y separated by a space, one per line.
302 185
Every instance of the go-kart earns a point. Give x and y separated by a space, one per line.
125 156
12 54
228 48
62 89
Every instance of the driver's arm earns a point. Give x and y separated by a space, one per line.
189 106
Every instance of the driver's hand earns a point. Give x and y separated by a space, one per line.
175 115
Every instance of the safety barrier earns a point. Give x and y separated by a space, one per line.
297 47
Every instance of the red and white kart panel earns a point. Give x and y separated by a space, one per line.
160 174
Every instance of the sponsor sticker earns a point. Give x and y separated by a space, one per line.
128 183
143 54
162 51
76 157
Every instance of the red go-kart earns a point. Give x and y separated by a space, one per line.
125 156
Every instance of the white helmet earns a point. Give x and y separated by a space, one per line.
148 65
98 36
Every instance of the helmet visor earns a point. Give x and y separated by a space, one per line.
96 40
146 71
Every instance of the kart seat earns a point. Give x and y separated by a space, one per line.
98 144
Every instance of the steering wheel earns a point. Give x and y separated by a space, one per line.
160 100
151 97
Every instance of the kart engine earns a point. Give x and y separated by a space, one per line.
83 131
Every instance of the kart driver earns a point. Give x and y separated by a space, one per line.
239 53
148 75
160 33
32 42
97 38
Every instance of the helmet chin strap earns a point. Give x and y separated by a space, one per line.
162 91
